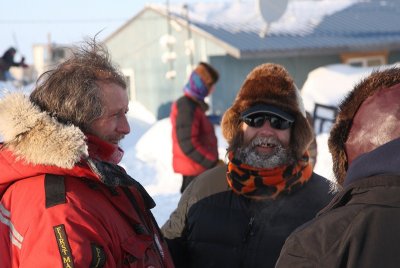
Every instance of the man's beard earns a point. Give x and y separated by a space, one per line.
249 155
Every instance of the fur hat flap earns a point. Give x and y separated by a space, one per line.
348 109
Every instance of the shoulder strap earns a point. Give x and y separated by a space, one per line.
54 187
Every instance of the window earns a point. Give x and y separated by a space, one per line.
365 59
324 116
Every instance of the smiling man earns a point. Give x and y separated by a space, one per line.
239 215
64 201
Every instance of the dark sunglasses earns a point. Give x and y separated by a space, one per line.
258 120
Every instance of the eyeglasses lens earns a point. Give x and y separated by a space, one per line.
258 120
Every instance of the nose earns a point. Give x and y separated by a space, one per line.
266 128
123 125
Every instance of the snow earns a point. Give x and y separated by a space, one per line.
299 18
333 82
148 148
149 160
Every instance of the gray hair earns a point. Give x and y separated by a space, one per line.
71 92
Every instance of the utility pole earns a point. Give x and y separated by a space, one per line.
189 43
171 72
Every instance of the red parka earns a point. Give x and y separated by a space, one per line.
59 212
194 144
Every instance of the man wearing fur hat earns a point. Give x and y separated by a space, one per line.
239 215
194 144
361 226
64 201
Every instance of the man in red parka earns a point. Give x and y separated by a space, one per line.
194 144
64 200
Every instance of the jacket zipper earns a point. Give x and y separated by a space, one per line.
249 230
248 233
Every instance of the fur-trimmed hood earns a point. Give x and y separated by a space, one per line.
368 118
37 138
270 84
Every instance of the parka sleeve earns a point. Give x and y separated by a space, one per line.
293 255
174 228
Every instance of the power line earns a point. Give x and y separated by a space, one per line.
59 21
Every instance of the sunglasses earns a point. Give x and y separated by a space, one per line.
258 120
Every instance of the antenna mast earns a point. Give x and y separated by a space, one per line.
270 11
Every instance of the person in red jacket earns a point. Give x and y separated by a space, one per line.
64 201
194 144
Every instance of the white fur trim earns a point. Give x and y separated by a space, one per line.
36 137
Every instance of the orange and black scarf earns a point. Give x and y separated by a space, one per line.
263 183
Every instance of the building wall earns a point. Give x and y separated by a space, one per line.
394 57
234 71
136 49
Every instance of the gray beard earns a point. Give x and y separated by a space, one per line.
248 154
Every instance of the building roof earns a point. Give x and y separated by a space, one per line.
307 27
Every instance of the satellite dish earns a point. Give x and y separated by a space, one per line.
270 11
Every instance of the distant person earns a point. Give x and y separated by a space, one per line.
64 201
239 214
7 61
194 143
361 226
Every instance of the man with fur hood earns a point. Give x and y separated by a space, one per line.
64 201
239 214
361 226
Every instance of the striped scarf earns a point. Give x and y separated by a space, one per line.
262 183
195 87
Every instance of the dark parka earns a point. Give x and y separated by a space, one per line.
361 226
214 227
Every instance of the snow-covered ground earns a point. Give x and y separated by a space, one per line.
148 149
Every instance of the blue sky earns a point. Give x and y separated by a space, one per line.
24 23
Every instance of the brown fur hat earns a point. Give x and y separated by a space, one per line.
351 131
270 84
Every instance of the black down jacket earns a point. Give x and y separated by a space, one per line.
215 227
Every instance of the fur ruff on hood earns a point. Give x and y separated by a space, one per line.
367 119
270 84
36 137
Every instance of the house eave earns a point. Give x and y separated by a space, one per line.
316 51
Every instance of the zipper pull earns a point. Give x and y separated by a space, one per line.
249 231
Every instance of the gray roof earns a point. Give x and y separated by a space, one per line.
365 25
